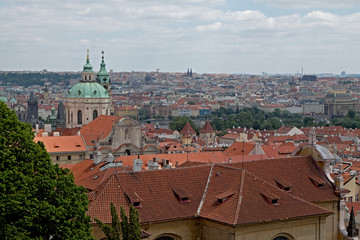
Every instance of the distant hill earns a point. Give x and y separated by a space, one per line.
36 78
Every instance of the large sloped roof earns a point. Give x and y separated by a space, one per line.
244 188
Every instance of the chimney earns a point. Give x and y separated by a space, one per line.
137 165
230 160
47 128
153 165
97 157
110 158
37 128
56 134
45 134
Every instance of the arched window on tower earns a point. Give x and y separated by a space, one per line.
85 78
95 114
68 116
71 120
79 117
90 77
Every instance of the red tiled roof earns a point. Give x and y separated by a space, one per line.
286 148
98 128
284 129
187 129
63 144
243 192
271 151
207 128
240 148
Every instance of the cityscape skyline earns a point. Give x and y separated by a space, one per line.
214 36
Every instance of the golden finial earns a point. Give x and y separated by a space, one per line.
87 58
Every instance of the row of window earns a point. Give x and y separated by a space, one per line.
350 199
79 116
69 157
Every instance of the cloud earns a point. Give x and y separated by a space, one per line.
307 4
174 35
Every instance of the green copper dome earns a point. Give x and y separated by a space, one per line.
88 90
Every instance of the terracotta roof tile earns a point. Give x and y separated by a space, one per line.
98 128
207 128
240 148
63 144
187 129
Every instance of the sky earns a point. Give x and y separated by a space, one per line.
209 36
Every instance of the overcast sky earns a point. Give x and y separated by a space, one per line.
215 36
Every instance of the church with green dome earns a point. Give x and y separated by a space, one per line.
90 97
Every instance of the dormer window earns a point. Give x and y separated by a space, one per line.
318 182
283 184
223 197
181 194
133 198
269 197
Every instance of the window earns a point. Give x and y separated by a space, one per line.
91 156
57 158
356 197
95 114
80 157
165 238
69 157
281 238
79 117
350 199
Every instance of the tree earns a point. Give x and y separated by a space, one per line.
112 231
351 114
38 200
127 229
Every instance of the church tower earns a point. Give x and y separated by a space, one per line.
103 76
87 99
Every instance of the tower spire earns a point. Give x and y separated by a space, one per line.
87 57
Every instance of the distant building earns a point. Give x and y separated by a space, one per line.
339 104
88 99
313 108
311 78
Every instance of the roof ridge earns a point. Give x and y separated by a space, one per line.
238 206
205 191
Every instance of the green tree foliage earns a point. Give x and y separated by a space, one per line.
38 200
143 114
134 224
113 231
178 124
126 229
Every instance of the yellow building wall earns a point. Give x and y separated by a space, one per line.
180 230
332 221
62 158
353 187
